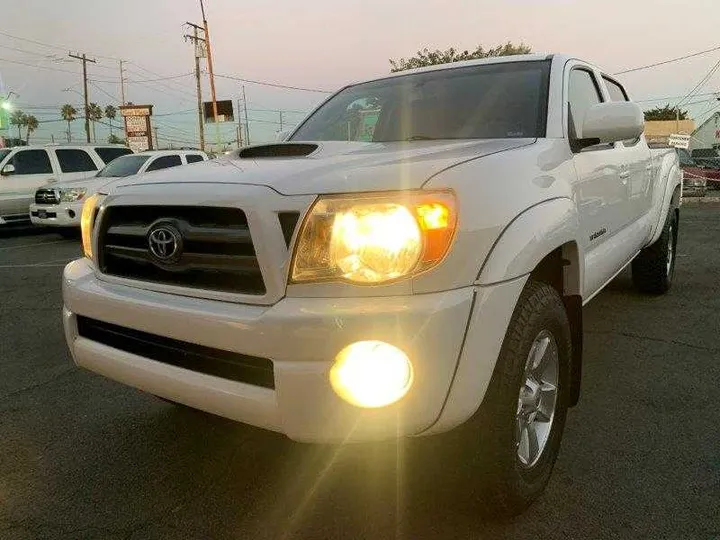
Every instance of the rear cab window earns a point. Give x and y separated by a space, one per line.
194 158
164 162
108 154
615 89
74 160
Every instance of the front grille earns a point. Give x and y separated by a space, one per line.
47 214
228 365
217 251
46 196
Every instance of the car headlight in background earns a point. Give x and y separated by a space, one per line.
371 239
72 195
371 374
87 221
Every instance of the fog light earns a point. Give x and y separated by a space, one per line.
371 374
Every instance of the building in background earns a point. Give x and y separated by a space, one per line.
658 131
708 134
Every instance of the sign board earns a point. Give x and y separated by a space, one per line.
679 141
224 109
138 130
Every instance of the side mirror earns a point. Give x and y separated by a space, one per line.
610 122
8 169
282 135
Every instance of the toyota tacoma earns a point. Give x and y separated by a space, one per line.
412 260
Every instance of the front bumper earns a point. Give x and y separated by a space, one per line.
301 336
58 215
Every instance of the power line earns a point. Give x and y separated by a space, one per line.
699 85
160 79
678 59
50 46
108 94
670 98
274 85
52 69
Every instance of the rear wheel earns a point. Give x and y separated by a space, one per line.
653 269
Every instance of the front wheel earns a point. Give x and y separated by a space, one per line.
654 267
508 449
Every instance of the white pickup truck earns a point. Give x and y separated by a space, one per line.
412 260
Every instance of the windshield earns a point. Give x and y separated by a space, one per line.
123 166
495 101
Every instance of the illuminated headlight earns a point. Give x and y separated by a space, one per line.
87 221
371 374
72 195
370 239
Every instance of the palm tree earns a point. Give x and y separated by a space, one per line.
69 113
32 124
94 113
110 114
19 119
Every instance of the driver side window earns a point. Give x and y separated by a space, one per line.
583 94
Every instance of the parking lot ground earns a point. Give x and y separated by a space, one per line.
84 457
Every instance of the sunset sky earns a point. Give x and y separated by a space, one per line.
323 45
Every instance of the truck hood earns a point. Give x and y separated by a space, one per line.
332 167
92 183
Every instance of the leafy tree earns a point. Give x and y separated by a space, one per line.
110 114
114 139
68 113
19 119
427 57
31 123
94 113
665 113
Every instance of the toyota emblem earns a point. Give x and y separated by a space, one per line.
165 243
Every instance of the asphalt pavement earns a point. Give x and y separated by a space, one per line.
84 457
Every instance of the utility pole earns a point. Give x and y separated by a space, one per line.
212 74
122 84
239 126
85 60
157 141
281 121
195 39
247 122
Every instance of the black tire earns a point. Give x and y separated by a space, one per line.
654 267
489 471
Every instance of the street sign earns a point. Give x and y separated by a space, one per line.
224 110
679 141
138 130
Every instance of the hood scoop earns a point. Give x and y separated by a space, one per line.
278 150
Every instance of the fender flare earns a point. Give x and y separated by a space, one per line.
529 237
671 196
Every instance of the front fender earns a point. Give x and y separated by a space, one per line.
528 238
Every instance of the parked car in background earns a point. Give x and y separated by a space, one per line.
709 160
24 169
60 205
695 177
407 276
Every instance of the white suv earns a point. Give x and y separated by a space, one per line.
60 205
26 168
